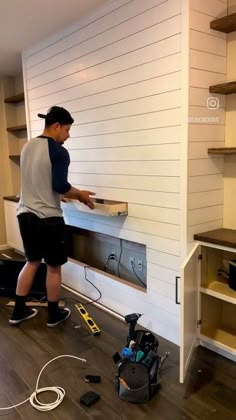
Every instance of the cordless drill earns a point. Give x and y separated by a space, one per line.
132 319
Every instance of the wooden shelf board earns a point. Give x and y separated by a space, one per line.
225 24
220 290
17 128
224 88
220 337
223 237
15 99
104 207
222 150
61 304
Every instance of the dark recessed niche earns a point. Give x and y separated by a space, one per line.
121 258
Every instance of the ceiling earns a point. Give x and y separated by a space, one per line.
24 23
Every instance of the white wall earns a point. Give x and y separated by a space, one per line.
119 73
207 67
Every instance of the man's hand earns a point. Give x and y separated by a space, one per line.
84 197
81 195
63 199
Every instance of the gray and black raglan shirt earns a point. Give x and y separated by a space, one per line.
44 170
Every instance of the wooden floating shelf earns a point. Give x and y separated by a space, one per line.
223 88
17 128
15 99
222 150
225 24
104 207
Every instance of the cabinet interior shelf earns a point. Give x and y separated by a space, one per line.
15 99
224 338
220 290
223 88
225 24
222 150
17 128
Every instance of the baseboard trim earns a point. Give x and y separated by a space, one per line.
4 247
98 305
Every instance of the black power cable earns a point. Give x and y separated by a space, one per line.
118 265
132 265
87 297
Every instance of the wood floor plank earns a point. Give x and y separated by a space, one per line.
8 414
208 393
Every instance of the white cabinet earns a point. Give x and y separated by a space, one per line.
208 304
12 228
189 273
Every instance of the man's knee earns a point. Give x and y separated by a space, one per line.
54 268
34 264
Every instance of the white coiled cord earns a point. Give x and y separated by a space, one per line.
57 389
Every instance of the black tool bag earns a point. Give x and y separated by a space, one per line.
138 381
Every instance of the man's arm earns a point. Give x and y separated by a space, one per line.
82 195
60 161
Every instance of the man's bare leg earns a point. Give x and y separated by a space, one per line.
53 284
26 277
24 284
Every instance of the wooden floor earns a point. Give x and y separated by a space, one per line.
208 394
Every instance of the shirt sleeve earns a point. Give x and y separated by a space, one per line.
60 161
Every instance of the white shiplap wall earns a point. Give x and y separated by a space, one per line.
118 72
207 67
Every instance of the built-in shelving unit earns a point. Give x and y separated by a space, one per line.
218 300
209 300
16 99
16 129
225 24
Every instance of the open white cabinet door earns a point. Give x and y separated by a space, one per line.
190 271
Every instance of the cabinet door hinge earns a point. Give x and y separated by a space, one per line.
199 257
199 322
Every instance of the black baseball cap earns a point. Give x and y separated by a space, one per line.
57 114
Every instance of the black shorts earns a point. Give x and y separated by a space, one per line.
43 238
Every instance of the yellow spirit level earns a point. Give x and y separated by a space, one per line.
87 318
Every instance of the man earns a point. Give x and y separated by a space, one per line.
44 171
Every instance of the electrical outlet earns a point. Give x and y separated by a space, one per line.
112 256
140 265
131 262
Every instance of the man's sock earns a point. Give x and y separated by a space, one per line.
20 305
52 308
